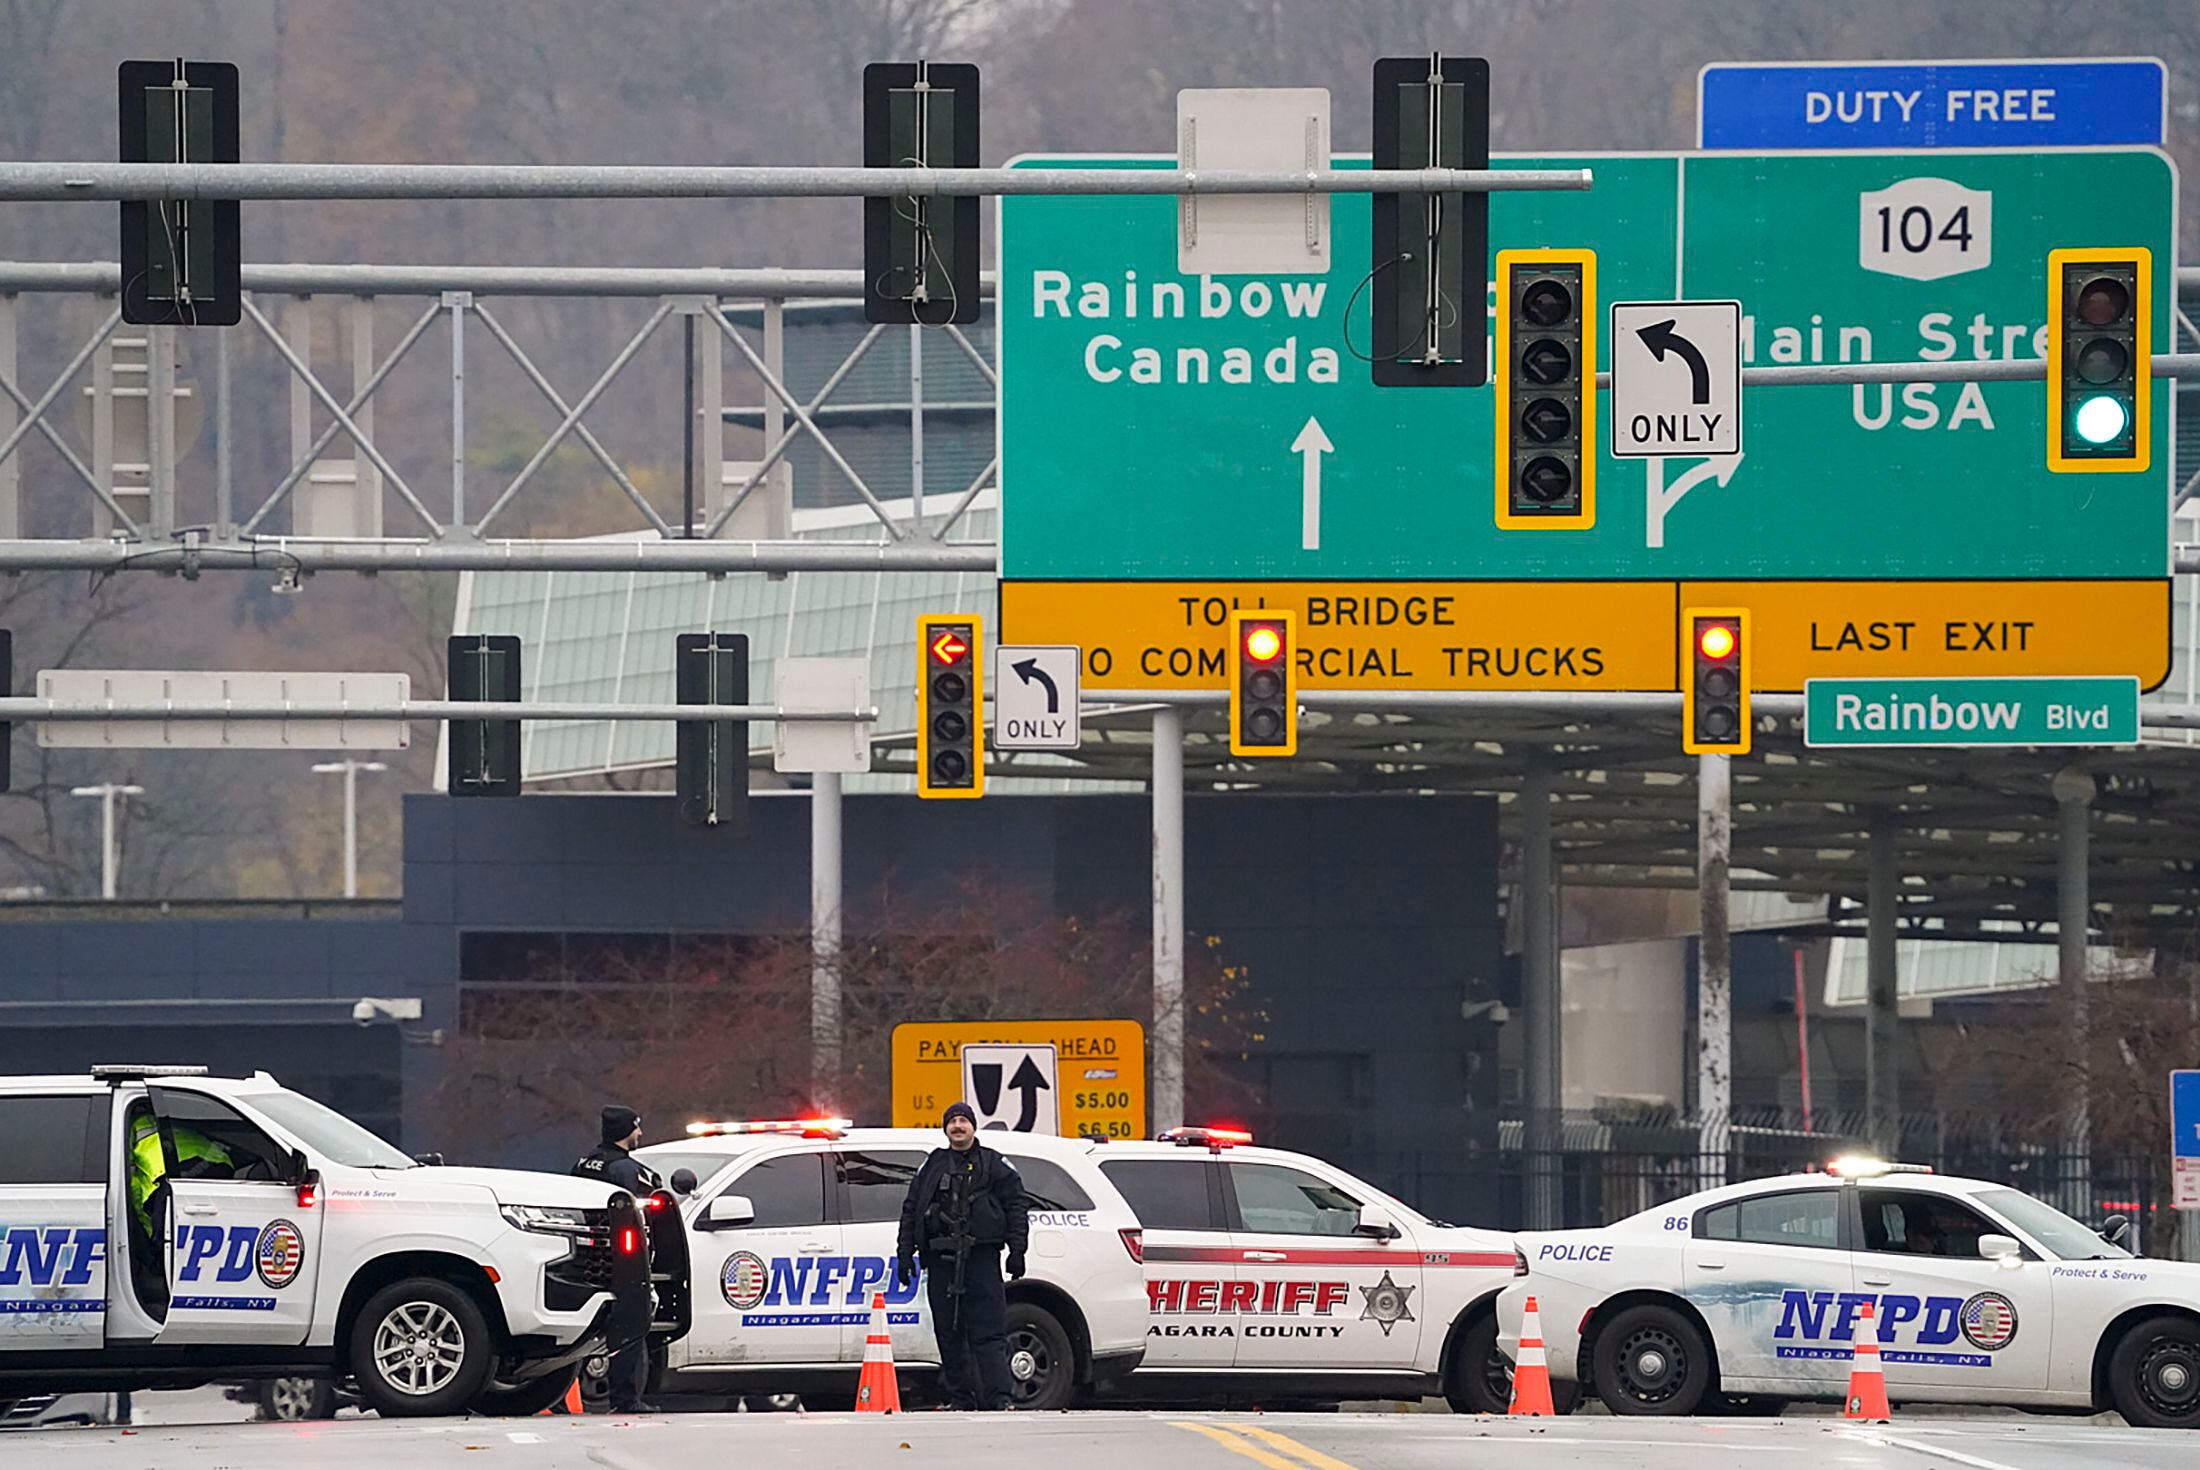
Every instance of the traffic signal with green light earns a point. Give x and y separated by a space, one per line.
2099 387
950 699
1264 685
1715 698
1546 390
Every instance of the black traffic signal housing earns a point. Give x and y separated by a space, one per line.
182 259
712 756
1715 697
2099 377
920 254
950 706
1546 390
484 759
1264 684
1431 251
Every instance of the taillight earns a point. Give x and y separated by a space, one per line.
1134 1241
630 1240
1520 1261
309 1189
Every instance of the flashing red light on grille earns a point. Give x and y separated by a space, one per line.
1262 642
1717 640
630 1240
1134 1241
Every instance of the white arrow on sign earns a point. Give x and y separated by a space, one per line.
1657 499
1312 443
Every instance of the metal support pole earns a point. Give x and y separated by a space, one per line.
351 830
107 863
366 482
225 480
1882 1028
825 937
458 302
1715 964
11 468
1543 1086
687 431
916 429
1168 919
160 431
2074 791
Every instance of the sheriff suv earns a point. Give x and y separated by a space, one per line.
276 1237
792 1229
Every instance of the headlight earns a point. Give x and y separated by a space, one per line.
548 1219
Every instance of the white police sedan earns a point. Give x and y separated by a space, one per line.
1749 1295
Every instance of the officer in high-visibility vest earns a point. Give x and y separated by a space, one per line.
149 1165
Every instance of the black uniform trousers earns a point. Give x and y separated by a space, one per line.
972 1330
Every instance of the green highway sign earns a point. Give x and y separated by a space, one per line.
1155 425
1885 712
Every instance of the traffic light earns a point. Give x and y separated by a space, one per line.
1431 251
1715 700
712 756
484 753
920 254
1546 390
1264 685
2099 379
182 259
950 701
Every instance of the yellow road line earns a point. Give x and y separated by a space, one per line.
1238 1446
1291 1446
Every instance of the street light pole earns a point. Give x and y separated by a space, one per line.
351 770
107 791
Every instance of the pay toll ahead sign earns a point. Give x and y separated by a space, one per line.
1165 435
1096 1084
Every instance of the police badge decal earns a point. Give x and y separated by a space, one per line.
1386 1303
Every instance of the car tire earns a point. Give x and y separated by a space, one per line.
1652 1360
1042 1365
296 1399
2154 1374
519 1400
419 1348
1489 1391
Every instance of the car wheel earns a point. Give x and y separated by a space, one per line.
292 1400
1042 1367
2154 1374
1652 1360
420 1347
1746 1406
519 1400
1479 1380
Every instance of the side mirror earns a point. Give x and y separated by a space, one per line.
433 1161
1378 1222
2001 1249
683 1181
727 1211
2115 1228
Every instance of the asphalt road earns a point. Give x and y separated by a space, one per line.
1109 1441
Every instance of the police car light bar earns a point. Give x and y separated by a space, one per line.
800 1127
136 1072
1863 1166
1213 1139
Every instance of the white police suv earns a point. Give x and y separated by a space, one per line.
792 1227
1981 1294
286 1239
1276 1277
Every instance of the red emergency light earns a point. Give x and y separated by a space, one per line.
1213 1139
1717 641
949 647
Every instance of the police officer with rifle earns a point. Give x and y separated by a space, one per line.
965 1206
613 1162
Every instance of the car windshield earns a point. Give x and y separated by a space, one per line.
330 1134
2051 1227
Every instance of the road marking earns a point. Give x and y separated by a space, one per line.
1243 1445
521 1437
1291 1446
1916 1447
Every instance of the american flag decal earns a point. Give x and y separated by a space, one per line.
1990 1321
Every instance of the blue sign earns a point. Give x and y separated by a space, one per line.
2184 1114
1931 104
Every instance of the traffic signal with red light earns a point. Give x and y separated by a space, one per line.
1264 685
1546 390
2099 383
950 698
1715 698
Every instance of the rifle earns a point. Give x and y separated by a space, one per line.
955 1213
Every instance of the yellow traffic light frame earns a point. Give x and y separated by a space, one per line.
2142 348
926 622
1690 616
1233 663
1586 370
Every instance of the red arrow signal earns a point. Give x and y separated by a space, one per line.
949 646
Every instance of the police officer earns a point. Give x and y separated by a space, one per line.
611 1162
966 1204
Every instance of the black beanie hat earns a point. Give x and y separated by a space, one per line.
959 1108
618 1122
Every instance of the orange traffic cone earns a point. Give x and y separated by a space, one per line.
878 1391
1531 1370
571 1403
1867 1379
